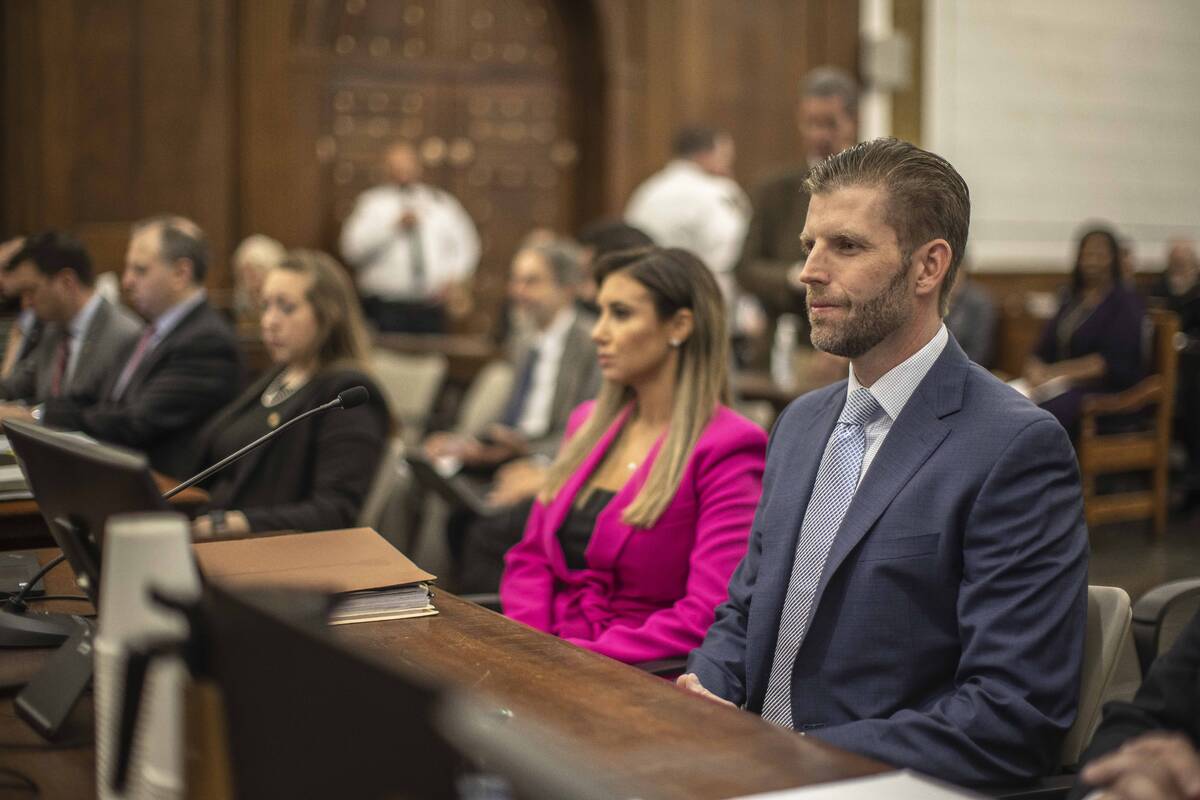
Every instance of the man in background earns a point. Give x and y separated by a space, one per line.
772 258
185 365
410 244
23 329
556 370
695 204
86 339
554 358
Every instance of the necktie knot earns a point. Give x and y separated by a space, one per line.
861 407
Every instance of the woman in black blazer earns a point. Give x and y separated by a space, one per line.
316 475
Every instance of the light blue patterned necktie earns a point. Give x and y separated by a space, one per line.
837 480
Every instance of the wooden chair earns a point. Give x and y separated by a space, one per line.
1144 450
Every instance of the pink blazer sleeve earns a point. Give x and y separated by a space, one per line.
728 483
527 585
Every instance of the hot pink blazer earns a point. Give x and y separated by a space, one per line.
647 593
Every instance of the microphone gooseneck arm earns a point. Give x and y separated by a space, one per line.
337 402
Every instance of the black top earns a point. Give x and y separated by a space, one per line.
576 530
313 477
255 420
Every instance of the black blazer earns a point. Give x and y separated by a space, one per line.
1168 701
190 374
316 475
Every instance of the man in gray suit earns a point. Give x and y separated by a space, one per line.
556 370
86 339
555 362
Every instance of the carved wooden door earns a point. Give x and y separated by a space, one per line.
479 85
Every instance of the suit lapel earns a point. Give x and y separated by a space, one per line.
162 348
570 368
89 345
913 438
780 524
556 512
249 462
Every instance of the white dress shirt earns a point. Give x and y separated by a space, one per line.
893 390
684 206
550 343
381 251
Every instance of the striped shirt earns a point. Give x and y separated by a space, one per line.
893 390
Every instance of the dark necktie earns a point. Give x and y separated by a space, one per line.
520 394
61 357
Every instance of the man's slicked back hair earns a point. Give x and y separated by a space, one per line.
926 197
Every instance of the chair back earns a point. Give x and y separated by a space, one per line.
1108 633
1133 451
385 507
411 384
484 401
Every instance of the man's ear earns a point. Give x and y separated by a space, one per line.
931 262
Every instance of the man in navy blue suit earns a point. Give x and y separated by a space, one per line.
915 587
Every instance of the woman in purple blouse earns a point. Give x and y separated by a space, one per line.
1094 342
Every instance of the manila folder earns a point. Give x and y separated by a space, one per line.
330 561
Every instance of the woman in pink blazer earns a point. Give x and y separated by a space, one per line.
647 510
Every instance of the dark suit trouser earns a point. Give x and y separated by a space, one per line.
485 542
405 316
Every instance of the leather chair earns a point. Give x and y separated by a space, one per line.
1153 610
1144 450
411 384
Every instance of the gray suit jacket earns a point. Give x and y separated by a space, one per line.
578 381
107 342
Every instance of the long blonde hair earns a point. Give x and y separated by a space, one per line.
676 279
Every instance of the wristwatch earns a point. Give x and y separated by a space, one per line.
217 518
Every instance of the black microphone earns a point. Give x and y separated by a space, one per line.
354 396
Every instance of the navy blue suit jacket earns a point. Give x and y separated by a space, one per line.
947 630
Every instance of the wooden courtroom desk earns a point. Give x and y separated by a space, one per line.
22 526
658 739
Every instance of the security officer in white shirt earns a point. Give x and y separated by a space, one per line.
409 243
693 203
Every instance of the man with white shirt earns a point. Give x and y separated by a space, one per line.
410 244
554 358
695 204
183 367
915 587
86 337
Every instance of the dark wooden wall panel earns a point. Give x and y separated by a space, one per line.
226 110
126 110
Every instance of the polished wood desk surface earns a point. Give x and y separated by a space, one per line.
22 526
661 740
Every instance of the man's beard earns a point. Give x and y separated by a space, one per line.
865 325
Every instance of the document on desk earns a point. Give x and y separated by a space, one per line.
900 785
375 580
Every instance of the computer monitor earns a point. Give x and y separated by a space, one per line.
78 484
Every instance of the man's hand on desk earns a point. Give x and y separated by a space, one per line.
1156 766
690 682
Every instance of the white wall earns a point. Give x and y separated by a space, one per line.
1061 111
